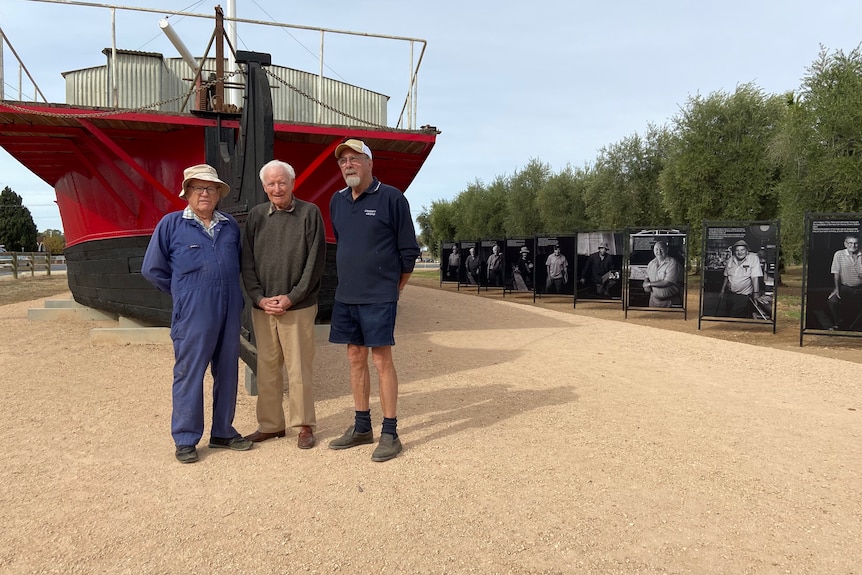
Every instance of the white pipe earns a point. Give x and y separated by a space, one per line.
411 94
2 42
115 88
320 82
178 44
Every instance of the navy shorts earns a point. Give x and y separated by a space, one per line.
370 324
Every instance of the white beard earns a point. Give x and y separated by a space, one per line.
352 181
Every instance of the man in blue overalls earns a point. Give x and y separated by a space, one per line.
194 255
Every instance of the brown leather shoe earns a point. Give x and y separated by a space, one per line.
306 438
259 436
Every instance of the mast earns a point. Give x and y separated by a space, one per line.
218 35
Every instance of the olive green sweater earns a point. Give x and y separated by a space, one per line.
283 253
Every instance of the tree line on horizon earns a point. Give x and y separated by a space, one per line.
741 156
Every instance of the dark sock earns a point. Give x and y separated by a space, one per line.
390 426
363 422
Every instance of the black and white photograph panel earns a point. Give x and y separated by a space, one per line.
740 262
520 264
600 264
834 273
495 261
450 262
555 265
471 263
657 269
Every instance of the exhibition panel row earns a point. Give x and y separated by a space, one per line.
645 269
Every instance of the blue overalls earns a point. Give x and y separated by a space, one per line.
202 275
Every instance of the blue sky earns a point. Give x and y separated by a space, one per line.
505 83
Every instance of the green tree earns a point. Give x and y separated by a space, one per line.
481 210
624 189
17 230
54 240
819 145
561 202
496 204
522 217
718 166
460 218
426 234
441 224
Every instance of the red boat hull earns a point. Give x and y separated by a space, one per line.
116 175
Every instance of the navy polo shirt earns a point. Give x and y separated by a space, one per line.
376 243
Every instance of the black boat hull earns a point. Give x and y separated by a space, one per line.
106 275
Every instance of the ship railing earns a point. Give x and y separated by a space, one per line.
407 116
21 72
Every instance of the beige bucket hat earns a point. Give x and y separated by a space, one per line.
206 173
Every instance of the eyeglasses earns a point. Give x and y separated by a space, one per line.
353 160
199 190
282 185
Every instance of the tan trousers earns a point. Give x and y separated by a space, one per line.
286 339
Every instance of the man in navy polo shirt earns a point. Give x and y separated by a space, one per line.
376 252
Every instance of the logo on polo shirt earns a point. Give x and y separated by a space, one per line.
371 213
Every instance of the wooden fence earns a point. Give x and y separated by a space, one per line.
23 262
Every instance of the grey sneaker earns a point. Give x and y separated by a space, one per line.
238 443
187 453
388 447
352 439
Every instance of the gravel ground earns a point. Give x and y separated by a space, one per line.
536 442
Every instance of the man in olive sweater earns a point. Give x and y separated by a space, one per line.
283 253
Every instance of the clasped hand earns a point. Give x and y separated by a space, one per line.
276 305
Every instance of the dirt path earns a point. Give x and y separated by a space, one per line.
536 441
